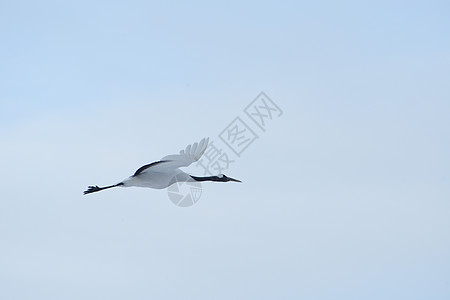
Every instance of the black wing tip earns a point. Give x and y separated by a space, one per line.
143 168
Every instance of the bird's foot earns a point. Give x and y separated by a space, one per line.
92 189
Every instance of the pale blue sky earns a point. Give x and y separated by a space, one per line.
346 196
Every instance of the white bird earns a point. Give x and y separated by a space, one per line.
163 173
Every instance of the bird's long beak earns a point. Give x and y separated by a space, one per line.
235 180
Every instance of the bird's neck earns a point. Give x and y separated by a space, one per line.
209 178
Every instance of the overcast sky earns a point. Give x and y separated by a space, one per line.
345 194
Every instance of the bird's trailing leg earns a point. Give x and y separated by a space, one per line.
96 188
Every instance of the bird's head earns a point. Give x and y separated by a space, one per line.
225 178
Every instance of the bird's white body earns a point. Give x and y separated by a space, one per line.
157 180
166 172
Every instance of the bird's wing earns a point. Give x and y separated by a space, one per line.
168 163
191 154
